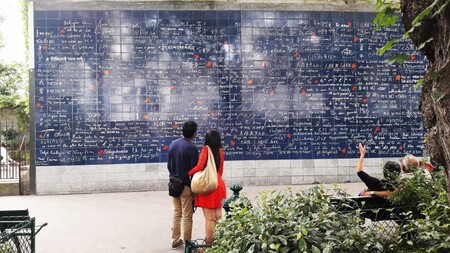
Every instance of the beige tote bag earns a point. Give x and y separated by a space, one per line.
204 182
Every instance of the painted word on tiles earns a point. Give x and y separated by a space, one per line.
116 86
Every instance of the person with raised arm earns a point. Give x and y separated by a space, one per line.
375 186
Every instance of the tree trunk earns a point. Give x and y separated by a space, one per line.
435 99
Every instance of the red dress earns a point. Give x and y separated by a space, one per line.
214 199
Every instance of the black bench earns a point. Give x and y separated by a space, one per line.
384 214
373 208
18 230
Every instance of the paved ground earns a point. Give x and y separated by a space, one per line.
132 222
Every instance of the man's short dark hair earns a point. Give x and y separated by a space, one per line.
189 129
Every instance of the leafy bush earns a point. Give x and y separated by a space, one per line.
307 221
288 221
13 91
427 201
9 134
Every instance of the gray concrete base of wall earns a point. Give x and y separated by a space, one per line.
12 187
155 176
9 188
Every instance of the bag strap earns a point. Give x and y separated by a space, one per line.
211 158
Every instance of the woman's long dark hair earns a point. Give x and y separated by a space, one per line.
212 139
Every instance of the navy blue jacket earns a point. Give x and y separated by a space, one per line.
183 156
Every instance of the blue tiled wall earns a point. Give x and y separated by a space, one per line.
116 86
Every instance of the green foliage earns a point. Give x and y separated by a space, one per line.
398 58
288 221
415 192
388 46
10 134
5 248
434 75
12 81
386 17
11 77
22 110
419 83
306 221
427 200
437 95
424 44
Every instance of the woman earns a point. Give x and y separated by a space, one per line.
211 204
378 187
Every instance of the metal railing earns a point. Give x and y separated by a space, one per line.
14 151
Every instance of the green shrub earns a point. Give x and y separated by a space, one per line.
10 134
306 221
300 221
427 201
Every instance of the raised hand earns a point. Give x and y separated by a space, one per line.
362 149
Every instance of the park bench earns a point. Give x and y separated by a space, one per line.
18 231
385 215
373 208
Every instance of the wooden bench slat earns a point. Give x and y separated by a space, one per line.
23 212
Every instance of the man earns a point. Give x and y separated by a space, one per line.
183 156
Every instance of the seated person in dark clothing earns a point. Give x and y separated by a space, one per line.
378 187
